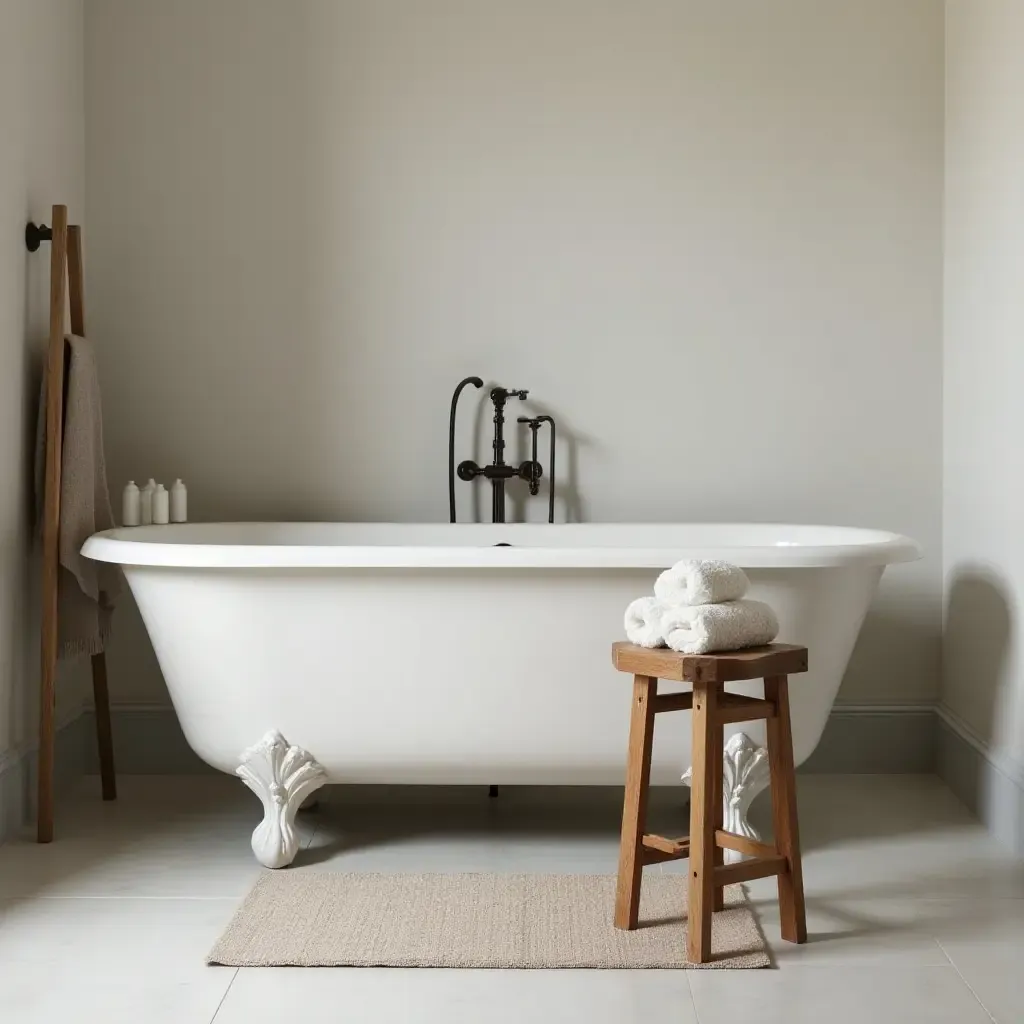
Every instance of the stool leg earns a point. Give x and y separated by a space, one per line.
702 823
718 854
634 806
787 832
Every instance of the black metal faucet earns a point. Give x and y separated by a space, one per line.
499 472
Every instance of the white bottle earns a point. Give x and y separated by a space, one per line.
161 506
146 503
130 509
179 502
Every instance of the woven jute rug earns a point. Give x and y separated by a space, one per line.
309 919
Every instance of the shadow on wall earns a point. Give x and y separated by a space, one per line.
568 496
976 645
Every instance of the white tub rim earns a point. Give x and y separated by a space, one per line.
311 545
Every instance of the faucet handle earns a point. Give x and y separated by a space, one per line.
501 394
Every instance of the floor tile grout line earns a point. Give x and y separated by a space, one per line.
967 984
693 1000
223 997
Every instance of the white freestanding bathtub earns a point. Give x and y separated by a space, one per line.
408 653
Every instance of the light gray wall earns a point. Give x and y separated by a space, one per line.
706 234
42 114
984 370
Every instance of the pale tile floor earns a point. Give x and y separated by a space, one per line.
913 915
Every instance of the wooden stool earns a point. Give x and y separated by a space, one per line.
712 709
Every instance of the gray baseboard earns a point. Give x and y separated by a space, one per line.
991 787
73 746
876 740
857 740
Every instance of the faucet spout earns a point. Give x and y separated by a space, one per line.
551 466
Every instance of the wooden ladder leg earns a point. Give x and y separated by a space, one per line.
784 813
702 823
51 524
104 733
634 806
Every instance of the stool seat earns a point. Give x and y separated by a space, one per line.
731 667
712 708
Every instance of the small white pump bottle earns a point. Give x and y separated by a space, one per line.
179 502
146 503
130 500
161 506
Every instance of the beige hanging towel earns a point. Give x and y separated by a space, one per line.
86 590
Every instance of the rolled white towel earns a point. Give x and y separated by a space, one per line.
696 581
707 628
643 622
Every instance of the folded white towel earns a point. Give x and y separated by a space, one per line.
718 627
643 622
696 581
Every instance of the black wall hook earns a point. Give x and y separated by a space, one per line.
36 234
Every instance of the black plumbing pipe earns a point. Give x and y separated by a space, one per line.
477 383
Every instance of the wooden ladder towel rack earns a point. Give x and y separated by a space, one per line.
65 256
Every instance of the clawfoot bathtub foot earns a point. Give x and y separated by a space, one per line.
282 777
745 774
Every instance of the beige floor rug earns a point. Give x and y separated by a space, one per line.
309 919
